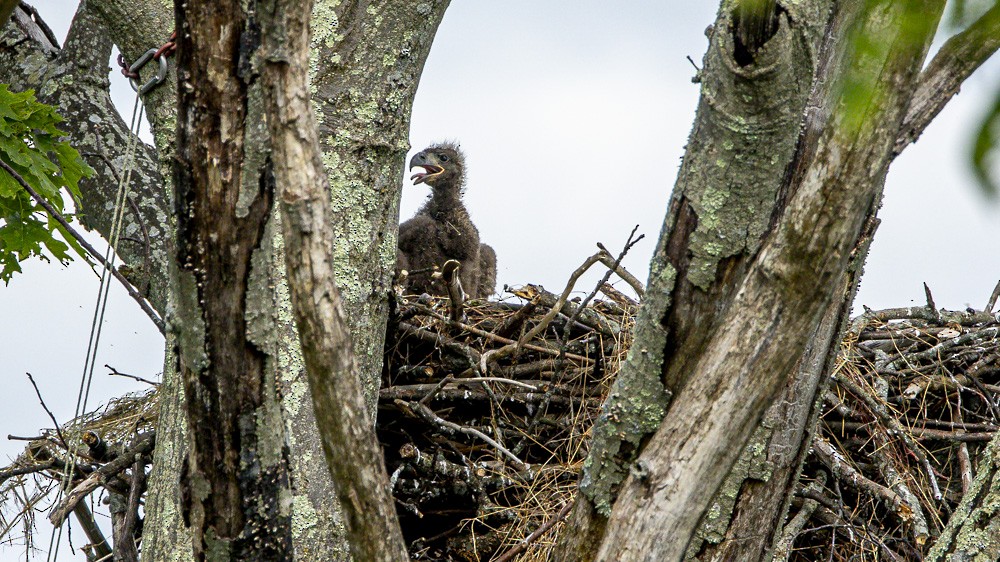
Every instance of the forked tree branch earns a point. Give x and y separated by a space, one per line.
958 58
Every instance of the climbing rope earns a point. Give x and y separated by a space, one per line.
125 179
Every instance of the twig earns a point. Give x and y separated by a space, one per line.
607 260
142 446
22 438
500 380
440 341
886 468
544 528
116 372
840 468
90 249
456 295
959 436
466 396
554 311
993 299
964 462
9 473
629 242
428 415
125 534
893 426
935 351
47 411
506 350
489 335
618 297
435 390
918 312
516 320
783 546
586 318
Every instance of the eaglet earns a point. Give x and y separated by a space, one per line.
442 230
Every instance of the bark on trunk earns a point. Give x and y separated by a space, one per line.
973 532
710 361
369 61
368 58
234 483
743 139
769 466
304 195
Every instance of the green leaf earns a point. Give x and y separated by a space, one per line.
32 144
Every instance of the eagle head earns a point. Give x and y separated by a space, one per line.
443 166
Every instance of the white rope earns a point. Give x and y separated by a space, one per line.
100 307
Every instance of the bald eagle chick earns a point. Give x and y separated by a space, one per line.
442 230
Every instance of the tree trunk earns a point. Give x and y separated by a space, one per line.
364 159
770 463
370 55
234 482
973 532
304 196
743 138
737 326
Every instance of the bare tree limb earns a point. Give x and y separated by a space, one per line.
327 349
608 260
132 292
142 446
958 58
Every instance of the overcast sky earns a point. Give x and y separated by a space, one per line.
573 118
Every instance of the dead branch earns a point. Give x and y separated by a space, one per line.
452 282
449 427
608 260
132 292
143 446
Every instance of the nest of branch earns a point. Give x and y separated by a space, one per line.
91 449
914 400
484 438
486 408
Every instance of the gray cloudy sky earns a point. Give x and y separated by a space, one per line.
573 118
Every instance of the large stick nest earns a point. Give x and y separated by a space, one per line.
459 496
913 403
484 439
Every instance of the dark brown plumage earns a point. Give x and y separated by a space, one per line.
442 230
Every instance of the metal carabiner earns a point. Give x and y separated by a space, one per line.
161 75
